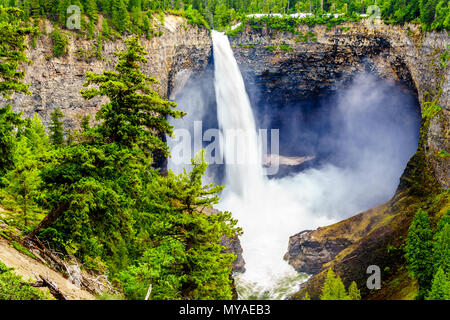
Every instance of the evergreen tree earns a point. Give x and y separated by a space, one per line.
353 292
419 248
427 12
120 16
12 55
56 127
90 8
440 287
333 288
187 261
136 114
306 297
106 32
22 181
38 139
12 52
206 266
441 245
35 9
9 123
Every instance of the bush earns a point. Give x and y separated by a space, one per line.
60 42
12 287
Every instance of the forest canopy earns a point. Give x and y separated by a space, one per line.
137 16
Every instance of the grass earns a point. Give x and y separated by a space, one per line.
23 250
286 47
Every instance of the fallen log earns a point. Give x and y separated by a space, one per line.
52 287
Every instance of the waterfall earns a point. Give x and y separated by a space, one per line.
249 195
241 151
371 131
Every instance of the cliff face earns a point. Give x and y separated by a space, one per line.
182 48
287 67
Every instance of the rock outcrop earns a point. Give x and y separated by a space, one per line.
307 255
182 48
234 246
279 67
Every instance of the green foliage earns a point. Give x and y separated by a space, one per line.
9 124
290 24
12 51
444 154
285 47
22 249
188 262
353 292
94 184
12 287
56 127
441 245
60 42
440 287
306 297
419 250
159 266
21 183
135 110
111 209
136 17
305 37
120 17
430 109
333 288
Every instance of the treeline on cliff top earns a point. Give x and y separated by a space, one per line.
94 194
139 16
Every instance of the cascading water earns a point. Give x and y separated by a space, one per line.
374 134
250 196
235 116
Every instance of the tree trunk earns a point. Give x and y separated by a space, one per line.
25 222
49 219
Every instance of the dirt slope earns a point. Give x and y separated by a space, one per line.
25 266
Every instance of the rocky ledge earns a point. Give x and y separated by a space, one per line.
308 255
56 82
234 245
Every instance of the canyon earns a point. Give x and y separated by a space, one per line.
286 69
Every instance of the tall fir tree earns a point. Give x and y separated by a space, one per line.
187 261
12 51
23 180
419 251
440 287
333 288
136 114
353 292
12 56
441 244
56 127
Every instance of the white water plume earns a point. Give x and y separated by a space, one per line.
254 200
377 138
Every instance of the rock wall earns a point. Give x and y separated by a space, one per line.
287 67
182 48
